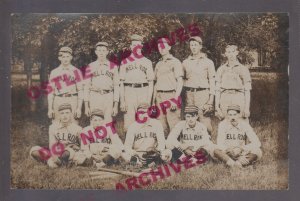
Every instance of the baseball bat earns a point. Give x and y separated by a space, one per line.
127 173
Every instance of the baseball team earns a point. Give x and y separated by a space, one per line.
133 87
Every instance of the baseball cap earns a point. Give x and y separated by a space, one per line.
65 106
234 107
66 50
136 37
191 109
195 38
97 112
105 44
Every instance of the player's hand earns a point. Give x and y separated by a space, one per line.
50 114
105 149
87 111
115 110
189 152
78 113
243 160
246 113
123 106
219 113
75 147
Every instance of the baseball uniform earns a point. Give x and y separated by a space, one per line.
101 90
199 83
167 71
70 87
135 76
232 82
231 137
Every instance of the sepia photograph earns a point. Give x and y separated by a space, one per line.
186 101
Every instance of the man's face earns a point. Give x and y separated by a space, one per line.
164 49
96 121
233 116
231 52
101 52
135 44
65 58
195 47
191 119
65 115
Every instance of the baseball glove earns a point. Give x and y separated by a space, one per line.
208 110
150 156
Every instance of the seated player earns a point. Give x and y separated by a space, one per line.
190 138
233 133
103 146
145 141
64 135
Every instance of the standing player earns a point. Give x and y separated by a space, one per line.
136 77
104 147
101 90
63 134
200 81
233 84
70 91
168 76
189 137
145 141
233 133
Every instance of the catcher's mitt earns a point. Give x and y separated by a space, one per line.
208 110
150 156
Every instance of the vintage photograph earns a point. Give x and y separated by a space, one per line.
150 101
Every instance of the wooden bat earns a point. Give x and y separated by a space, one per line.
127 173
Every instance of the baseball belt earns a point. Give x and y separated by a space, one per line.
136 85
66 95
194 89
101 91
166 91
232 91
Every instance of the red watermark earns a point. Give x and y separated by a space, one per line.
162 172
57 149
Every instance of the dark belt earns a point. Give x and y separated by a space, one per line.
232 91
136 85
101 91
166 91
67 95
194 89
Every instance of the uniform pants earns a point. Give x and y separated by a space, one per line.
200 98
103 102
73 100
232 97
133 97
96 149
171 118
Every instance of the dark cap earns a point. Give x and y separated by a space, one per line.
97 112
105 44
191 109
66 50
234 107
65 106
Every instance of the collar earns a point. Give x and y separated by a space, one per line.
235 64
200 56
65 67
169 57
238 126
188 127
105 63
60 125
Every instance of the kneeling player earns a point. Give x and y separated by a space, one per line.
103 146
145 141
190 138
64 138
233 133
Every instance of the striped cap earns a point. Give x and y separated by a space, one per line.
196 38
105 44
66 50
143 106
65 106
191 109
234 107
97 112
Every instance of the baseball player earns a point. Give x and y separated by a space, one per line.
136 77
103 148
66 133
65 93
145 142
190 137
233 84
233 135
101 90
168 76
199 82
